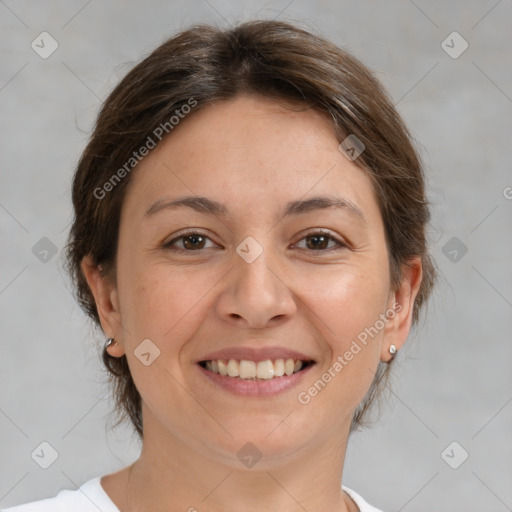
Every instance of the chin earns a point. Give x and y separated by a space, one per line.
259 448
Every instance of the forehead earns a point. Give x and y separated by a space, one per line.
251 152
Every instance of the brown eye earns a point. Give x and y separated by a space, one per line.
320 242
188 242
193 242
317 242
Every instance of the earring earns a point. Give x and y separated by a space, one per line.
109 342
393 350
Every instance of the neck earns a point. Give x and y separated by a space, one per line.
170 475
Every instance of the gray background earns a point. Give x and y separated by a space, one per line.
454 381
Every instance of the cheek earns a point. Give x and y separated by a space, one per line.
152 296
164 303
166 306
347 300
350 308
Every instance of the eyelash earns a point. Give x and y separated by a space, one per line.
340 245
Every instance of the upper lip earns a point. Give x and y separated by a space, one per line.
255 354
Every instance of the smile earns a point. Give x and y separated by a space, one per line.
256 371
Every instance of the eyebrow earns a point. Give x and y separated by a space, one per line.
209 206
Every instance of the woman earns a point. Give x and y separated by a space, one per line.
249 233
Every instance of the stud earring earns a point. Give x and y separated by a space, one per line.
109 342
393 350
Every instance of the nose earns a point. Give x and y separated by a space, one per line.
255 294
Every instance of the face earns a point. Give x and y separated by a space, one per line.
257 270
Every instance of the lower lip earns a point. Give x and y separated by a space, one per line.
261 388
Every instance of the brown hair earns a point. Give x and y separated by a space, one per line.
206 64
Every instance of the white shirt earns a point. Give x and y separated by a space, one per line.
91 497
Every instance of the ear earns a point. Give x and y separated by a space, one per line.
107 303
401 307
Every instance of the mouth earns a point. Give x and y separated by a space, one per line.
257 372
248 370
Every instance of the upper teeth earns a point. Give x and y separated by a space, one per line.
250 369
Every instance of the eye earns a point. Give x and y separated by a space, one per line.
192 241
318 241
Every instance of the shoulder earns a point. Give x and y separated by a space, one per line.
360 502
90 497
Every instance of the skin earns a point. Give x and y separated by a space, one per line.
253 155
